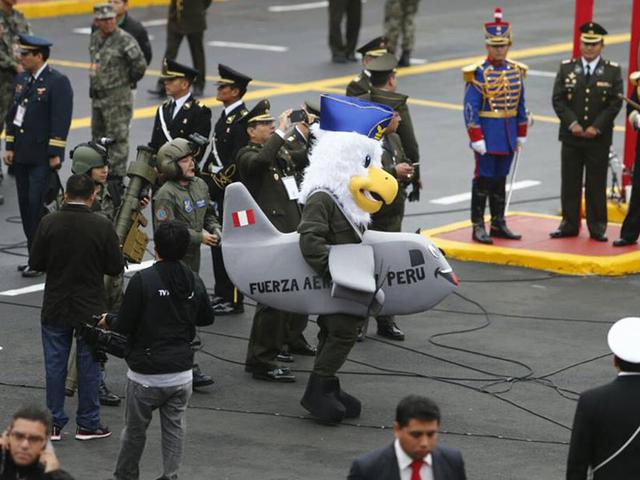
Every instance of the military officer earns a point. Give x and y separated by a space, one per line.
185 197
187 18
268 171
343 47
38 123
496 121
631 225
181 115
361 84
389 217
399 20
117 64
12 24
230 135
384 90
585 98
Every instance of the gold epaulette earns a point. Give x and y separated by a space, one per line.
469 72
523 67
634 77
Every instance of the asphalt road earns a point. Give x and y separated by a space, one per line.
493 355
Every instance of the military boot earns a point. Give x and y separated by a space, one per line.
321 399
405 59
479 194
497 197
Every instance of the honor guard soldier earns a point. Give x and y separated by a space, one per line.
38 123
631 225
269 172
181 115
117 64
586 99
361 84
185 197
230 135
496 121
384 90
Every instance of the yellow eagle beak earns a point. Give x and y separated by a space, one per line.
371 191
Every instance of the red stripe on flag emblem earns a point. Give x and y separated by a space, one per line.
243 218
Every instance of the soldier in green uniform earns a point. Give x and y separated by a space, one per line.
185 197
117 64
586 99
361 84
92 159
187 18
399 21
269 172
389 217
384 90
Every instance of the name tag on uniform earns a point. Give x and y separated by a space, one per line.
603 84
292 187
19 118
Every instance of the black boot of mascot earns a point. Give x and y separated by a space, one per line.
321 399
352 405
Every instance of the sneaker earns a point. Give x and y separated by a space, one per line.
100 432
56 433
227 308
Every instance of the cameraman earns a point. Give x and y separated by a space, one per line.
25 452
162 306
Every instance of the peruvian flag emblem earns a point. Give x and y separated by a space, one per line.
243 218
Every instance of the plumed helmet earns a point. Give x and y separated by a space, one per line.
87 156
169 155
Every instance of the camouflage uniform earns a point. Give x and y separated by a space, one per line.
398 19
11 25
117 63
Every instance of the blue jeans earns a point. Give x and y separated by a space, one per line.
56 342
31 181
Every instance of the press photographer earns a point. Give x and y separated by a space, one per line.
162 306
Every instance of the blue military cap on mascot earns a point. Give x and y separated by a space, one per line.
349 114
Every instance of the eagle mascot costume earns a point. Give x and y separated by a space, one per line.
343 185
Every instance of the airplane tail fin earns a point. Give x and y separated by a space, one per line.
243 218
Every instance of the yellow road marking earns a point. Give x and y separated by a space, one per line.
274 89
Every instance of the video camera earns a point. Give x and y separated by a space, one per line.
104 341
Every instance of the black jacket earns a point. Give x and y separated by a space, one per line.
161 308
605 419
134 28
10 471
382 464
76 249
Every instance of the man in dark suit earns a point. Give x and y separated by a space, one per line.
133 27
181 115
38 123
585 98
414 454
606 429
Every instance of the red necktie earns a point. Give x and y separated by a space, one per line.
416 465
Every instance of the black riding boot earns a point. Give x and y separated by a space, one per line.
497 199
479 193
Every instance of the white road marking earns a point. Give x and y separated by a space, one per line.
541 73
300 6
465 197
418 61
134 267
249 46
147 23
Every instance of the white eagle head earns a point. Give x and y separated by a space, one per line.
348 163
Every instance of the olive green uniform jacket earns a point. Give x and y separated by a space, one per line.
359 86
389 217
189 204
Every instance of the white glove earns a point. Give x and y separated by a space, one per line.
634 119
521 142
480 146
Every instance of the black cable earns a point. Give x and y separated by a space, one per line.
522 316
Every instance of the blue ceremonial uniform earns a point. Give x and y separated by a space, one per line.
496 120
38 123
494 110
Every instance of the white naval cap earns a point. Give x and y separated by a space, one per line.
624 339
